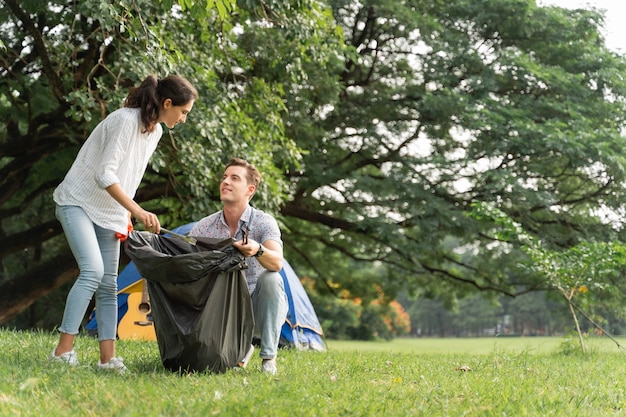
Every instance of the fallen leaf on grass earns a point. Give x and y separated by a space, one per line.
29 383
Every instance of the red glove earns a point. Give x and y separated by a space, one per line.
122 237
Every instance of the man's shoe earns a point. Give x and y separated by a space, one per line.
246 359
71 358
115 364
269 366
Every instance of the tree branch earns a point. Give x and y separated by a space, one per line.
55 83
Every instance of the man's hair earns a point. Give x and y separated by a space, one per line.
253 176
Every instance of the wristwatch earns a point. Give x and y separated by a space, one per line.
260 251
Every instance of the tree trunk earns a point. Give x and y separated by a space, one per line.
21 292
580 335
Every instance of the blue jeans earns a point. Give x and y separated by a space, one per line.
269 302
97 253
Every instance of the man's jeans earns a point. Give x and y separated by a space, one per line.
269 302
97 253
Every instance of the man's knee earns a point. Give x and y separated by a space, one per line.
270 283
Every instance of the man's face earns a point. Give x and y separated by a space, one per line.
234 187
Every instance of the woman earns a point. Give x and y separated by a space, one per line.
94 204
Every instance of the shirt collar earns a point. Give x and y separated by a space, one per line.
246 216
243 220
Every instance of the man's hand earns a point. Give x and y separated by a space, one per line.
247 249
272 258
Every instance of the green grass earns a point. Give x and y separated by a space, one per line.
406 377
483 345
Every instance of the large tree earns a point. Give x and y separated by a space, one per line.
408 112
445 104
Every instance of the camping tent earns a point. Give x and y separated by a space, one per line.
301 329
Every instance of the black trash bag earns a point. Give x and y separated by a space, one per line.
202 310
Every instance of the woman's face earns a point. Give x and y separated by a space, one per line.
171 115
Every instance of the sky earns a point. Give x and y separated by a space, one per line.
615 27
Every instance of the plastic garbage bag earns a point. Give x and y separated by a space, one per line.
201 305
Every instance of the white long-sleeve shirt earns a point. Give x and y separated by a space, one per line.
115 152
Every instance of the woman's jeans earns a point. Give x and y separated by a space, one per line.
97 252
269 302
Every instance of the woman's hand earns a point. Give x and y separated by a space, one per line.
149 220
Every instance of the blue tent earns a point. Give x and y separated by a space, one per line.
301 329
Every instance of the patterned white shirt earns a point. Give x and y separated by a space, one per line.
263 227
116 152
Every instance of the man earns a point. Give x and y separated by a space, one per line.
263 250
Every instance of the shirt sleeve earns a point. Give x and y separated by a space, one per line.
195 229
269 229
116 136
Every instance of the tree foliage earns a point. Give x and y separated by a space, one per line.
377 125
68 64
444 104
595 267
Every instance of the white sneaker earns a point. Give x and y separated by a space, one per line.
269 366
71 358
246 359
115 364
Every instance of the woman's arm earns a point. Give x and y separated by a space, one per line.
149 220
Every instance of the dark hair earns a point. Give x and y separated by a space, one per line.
253 175
152 92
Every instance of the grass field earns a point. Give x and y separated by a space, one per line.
405 377
481 345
